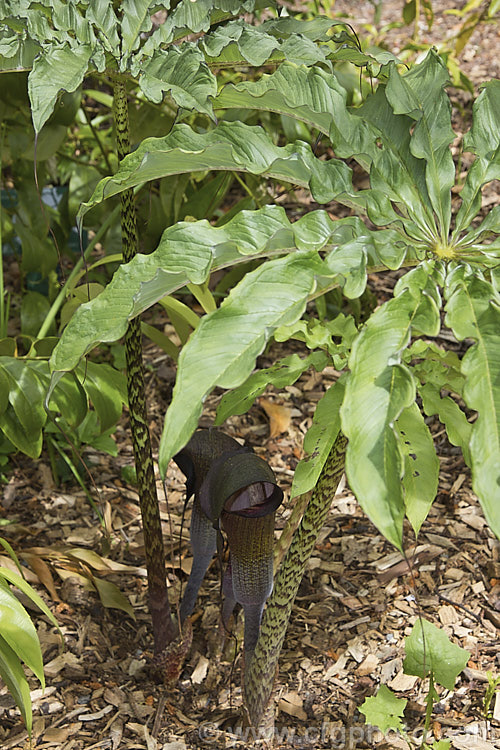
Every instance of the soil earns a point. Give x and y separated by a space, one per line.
357 602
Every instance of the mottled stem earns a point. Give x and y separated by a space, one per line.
164 630
260 670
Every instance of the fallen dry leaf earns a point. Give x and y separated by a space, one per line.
279 416
291 704
42 570
200 671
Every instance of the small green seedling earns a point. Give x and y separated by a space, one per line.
493 683
429 653
384 710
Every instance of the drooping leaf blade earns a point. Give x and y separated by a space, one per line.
19 632
106 388
111 596
60 67
421 465
472 311
310 95
103 17
396 173
12 674
136 20
23 420
187 253
229 146
483 139
319 439
229 340
378 389
252 43
182 73
28 591
200 15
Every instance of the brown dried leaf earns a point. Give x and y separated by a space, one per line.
115 733
291 704
42 570
200 671
279 416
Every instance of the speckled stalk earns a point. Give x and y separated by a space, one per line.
164 630
261 669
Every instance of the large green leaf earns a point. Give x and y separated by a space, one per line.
396 173
12 673
30 592
19 632
200 15
69 398
103 17
377 134
187 253
473 311
319 440
254 44
421 465
106 389
4 390
181 72
430 651
19 641
136 20
17 54
59 67
229 146
312 96
223 349
23 420
26 382
420 94
483 139
297 41
378 389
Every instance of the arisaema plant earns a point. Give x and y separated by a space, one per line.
396 371
167 59
63 43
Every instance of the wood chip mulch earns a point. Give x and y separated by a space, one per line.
357 602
